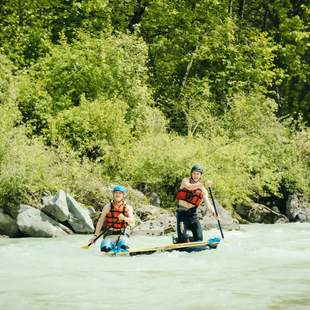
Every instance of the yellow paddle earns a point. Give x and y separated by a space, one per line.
86 247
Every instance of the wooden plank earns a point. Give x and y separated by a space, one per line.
166 248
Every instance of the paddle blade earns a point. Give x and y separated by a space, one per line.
85 247
213 242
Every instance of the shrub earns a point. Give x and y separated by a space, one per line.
92 128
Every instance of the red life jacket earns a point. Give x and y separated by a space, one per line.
112 221
194 197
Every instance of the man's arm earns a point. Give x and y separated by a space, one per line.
100 222
190 186
104 212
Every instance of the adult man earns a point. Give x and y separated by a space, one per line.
115 217
189 197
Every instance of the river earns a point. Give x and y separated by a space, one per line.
258 267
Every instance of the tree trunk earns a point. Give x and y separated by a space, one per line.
265 19
266 14
230 6
139 11
188 68
20 12
241 8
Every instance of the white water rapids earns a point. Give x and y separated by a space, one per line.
258 267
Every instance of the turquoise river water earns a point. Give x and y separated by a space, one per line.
258 267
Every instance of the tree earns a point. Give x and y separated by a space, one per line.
287 23
29 26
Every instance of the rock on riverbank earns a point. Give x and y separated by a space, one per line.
156 221
295 210
61 215
57 216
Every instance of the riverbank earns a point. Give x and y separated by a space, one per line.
259 267
60 214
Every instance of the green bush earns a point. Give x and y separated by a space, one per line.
250 155
34 103
24 171
6 78
93 128
104 69
113 67
28 169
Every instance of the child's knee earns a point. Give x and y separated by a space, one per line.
105 246
122 245
105 249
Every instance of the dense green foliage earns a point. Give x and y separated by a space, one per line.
137 91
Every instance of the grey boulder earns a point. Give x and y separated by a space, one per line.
35 223
79 218
8 225
154 221
296 210
148 212
56 206
258 213
156 227
227 222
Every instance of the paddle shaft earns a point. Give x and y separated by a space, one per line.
105 230
218 221
122 232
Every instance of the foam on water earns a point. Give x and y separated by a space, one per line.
259 267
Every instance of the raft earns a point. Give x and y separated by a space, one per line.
183 247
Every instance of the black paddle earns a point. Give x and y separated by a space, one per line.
218 221
122 232
89 244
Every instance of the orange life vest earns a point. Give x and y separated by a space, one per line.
194 197
112 220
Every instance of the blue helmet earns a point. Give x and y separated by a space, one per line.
120 188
